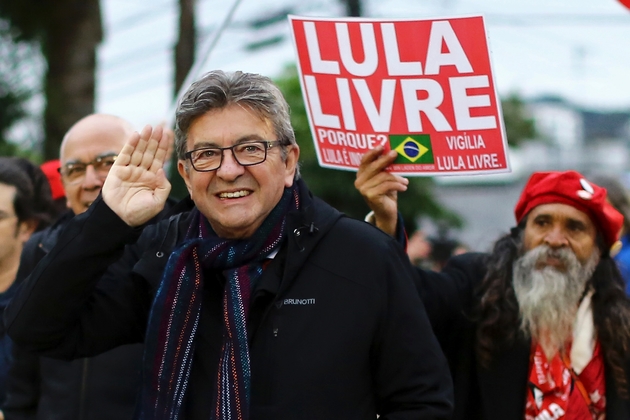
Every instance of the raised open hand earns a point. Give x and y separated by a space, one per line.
380 188
136 187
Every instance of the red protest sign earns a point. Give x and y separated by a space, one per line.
422 87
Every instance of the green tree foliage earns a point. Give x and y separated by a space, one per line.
336 187
13 91
68 32
10 111
519 125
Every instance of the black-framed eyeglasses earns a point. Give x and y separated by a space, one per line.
74 172
206 159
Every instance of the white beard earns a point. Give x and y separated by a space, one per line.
548 298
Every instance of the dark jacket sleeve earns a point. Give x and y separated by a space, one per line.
413 379
451 298
98 305
451 292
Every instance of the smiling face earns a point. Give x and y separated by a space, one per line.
560 226
91 137
237 199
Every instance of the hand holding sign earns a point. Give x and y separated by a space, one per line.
380 188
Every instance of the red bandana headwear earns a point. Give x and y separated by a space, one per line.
573 189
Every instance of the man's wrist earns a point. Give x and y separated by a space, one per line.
387 226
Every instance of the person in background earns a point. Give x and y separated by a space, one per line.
618 197
52 170
101 387
540 327
261 302
25 207
419 248
442 249
432 252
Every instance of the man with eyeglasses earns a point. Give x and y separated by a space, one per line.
261 302
87 153
101 387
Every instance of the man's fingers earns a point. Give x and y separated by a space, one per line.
138 153
152 146
163 185
384 188
162 152
124 157
366 183
374 164
156 135
371 155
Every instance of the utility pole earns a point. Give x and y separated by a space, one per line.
353 7
184 60
186 43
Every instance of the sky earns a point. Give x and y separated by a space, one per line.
575 49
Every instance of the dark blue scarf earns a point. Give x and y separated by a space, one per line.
174 318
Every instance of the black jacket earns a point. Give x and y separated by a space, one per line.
336 328
102 387
497 392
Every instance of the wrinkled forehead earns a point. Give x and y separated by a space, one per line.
87 145
561 212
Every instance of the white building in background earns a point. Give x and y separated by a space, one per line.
588 141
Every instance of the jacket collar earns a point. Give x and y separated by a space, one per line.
305 228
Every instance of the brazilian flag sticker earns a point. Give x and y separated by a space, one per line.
412 148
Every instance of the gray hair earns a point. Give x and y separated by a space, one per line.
218 89
547 297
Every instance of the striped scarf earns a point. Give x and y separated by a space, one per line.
174 317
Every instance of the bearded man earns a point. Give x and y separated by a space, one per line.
540 327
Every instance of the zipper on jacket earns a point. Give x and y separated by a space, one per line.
277 305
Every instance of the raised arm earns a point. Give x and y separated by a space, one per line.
136 187
83 297
380 188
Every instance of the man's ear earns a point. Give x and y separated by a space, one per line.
183 169
293 156
26 228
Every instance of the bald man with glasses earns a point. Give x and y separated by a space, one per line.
87 153
100 387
